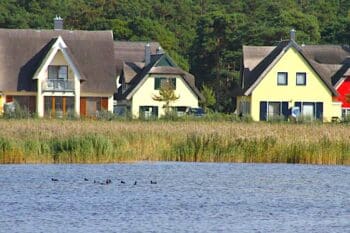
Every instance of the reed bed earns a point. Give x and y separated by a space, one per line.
85 141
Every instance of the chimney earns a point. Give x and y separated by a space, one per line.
58 23
160 50
147 54
292 34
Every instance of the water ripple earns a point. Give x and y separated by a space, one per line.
188 197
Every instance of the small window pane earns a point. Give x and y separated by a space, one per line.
157 83
163 82
63 72
58 103
301 78
52 72
274 109
282 78
173 80
69 104
48 105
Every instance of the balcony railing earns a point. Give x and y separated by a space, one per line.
58 85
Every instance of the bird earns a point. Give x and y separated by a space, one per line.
135 182
122 182
153 182
54 179
86 179
108 181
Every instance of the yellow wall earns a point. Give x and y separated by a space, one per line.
1 104
314 90
143 96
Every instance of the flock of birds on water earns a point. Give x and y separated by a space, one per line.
106 182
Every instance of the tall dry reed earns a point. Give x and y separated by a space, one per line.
64 141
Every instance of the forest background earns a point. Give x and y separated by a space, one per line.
204 37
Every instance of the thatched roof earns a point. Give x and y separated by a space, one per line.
126 51
22 51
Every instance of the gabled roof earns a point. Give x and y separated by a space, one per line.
325 60
136 73
22 51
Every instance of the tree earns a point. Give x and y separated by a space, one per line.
167 95
209 97
216 54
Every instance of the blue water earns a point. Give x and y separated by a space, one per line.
188 197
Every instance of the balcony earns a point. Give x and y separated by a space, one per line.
58 85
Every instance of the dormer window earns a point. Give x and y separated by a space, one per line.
58 72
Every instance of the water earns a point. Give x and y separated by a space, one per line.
188 197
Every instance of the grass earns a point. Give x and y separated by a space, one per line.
85 141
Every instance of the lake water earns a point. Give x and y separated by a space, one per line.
188 197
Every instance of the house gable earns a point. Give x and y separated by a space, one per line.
252 78
162 65
343 90
165 61
58 54
292 62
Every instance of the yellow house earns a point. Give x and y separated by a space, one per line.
142 77
282 82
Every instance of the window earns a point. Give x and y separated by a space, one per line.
282 78
310 110
58 72
159 82
244 107
301 79
345 113
27 103
56 106
180 110
93 106
147 112
274 110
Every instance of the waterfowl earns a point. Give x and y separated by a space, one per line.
153 182
54 179
86 179
122 182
